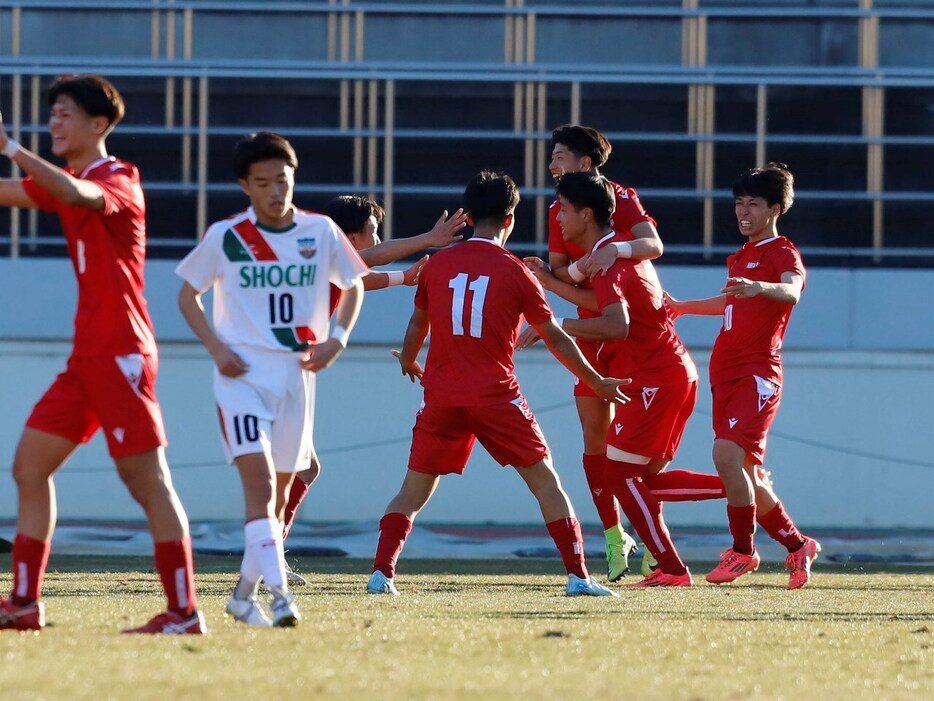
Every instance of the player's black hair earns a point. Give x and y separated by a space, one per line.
490 197
95 95
261 146
774 183
583 141
350 212
589 190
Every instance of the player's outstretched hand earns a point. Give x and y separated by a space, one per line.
741 287
445 231
672 305
410 276
322 355
540 270
529 337
413 371
597 262
228 362
609 389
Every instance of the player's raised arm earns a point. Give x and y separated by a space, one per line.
647 245
567 352
578 296
788 291
63 186
443 233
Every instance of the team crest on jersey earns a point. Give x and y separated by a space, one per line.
648 396
307 247
766 390
752 264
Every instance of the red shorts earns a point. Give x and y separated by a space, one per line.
597 357
653 422
743 411
113 393
443 436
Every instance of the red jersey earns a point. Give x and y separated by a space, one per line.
750 338
652 354
629 212
107 250
475 294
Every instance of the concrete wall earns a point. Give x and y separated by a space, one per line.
849 447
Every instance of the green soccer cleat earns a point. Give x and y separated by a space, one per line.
649 563
619 546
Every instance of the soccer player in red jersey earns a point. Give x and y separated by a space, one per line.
359 218
765 280
637 339
471 298
109 381
581 149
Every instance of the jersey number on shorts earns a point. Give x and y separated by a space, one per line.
460 286
246 427
281 308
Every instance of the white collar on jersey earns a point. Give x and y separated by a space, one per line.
606 238
95 164
765 241
481 238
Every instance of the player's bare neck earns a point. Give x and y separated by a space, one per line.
497 236
78 161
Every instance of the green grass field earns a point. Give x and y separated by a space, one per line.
482 629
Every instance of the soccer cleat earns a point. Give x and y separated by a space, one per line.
732 566
587 587
294 578
381 584
248 611
649 563
29 616
663 579
618 551
799 562
172 623
284 611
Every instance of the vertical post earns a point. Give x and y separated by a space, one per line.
389 125
16 89
761 117
188 22
873 124
202 202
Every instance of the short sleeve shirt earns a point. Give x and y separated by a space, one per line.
108 251
652 353
272 289
750 338
475 294
629 212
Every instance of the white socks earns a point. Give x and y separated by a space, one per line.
263 554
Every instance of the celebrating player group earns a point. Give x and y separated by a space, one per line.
288 287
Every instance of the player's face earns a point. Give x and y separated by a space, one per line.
72 129
756 219
367 238
564 161
270 185
572 221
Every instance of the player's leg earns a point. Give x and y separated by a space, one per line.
38 455
645 514
395 526
563 527
731 461
595 416
149 482
297 492
771 515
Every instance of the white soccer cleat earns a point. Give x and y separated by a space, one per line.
587 587
248 611
381 584
284 611
294 578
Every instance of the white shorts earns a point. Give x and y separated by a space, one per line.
270 409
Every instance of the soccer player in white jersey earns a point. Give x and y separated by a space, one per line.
272 267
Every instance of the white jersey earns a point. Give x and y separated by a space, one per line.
272 288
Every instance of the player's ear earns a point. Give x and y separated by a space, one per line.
243 186
470 221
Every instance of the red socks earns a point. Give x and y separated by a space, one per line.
742 527
30 558
684 485
595 471
566 532
177 572
297 493
780 527
645 514
394 528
